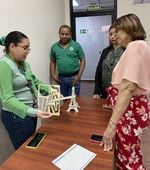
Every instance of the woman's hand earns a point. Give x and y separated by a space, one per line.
107 106
96 96
108 137
43 115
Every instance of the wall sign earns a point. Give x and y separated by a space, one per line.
83 31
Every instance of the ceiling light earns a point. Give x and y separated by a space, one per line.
75 3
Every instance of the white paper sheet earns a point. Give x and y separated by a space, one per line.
74 158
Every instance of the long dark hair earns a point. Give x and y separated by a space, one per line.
14 37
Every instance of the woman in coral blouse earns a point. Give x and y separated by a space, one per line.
131 83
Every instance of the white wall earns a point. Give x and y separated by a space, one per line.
141 10
39 20
67 12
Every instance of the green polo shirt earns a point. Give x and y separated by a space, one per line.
67 59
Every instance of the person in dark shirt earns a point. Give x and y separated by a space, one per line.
107 62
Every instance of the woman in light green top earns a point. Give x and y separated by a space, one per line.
18 87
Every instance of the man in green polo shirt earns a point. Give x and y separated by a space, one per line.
69 59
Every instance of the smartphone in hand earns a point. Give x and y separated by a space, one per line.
96 138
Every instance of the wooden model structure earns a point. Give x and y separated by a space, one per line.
73 105
51 101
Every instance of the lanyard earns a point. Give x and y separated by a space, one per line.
29 85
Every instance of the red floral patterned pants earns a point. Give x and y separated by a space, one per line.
129 130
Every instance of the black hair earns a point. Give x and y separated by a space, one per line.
2 40
14 37
65 26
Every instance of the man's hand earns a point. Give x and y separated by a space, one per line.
56 78
76 79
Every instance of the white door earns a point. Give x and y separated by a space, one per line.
92 34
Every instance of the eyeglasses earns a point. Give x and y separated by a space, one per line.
26 48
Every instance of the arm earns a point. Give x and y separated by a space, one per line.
98 77
82 66
6 92
98 74
35 81
8 98
78 76
53 70
126 91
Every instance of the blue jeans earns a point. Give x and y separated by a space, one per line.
19 129
66 86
